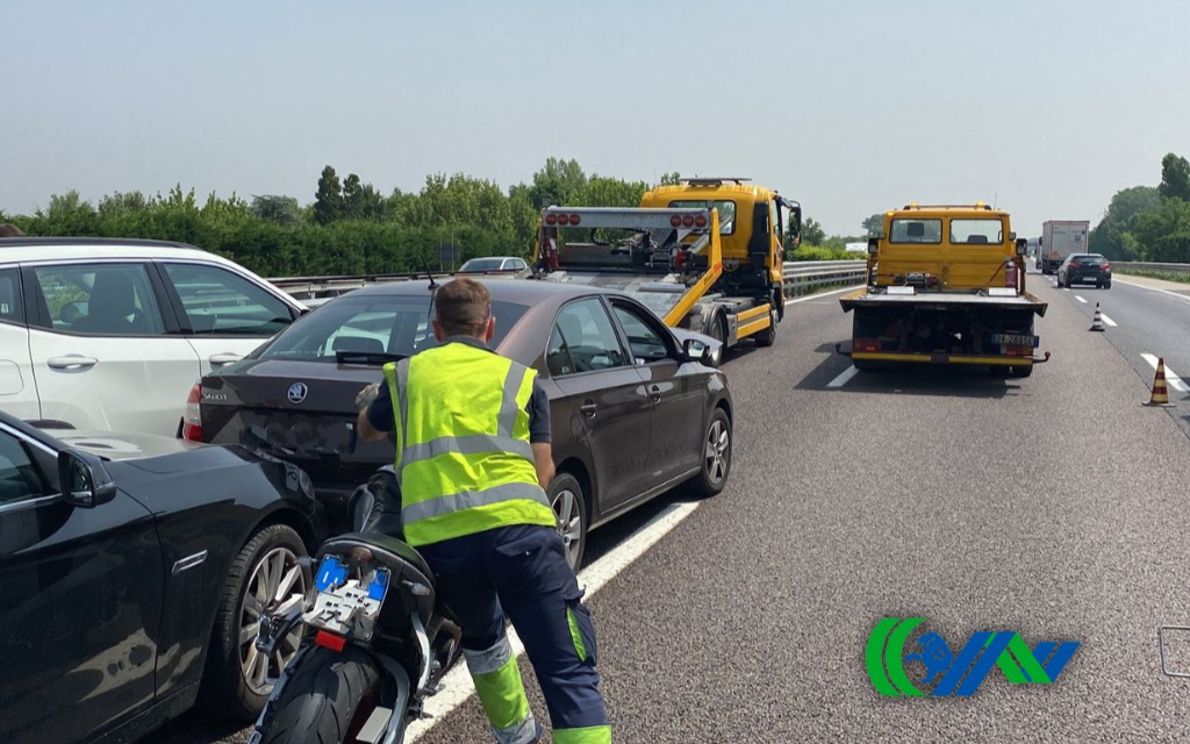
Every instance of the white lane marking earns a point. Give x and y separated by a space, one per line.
1184 298
842 379
1080 299
1106 320
1065 289
816 295
457 682
1175 382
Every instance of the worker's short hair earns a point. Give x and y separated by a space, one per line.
462 307
9 230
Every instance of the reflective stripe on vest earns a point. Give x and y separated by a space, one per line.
463 457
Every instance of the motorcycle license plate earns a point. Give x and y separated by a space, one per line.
348 604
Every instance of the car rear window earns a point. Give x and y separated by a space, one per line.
372 325
1087 260
916 231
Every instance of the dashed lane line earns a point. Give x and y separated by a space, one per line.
457 684
1080 299
817 295
1175 382
843 378
1106 320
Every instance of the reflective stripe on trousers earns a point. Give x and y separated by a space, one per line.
502 692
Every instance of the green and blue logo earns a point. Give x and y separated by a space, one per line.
959 675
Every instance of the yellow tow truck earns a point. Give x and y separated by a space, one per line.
946 285
705 254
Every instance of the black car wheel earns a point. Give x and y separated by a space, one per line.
238 679
716 457
328 698
1022 372
570 509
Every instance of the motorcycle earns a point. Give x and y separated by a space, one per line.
376 640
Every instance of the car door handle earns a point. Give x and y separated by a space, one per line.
589 409
227 357
654 393
72 362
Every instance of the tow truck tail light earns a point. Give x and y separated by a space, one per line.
867 344
676 220
551 219
688 221
192 418
574 220
700 221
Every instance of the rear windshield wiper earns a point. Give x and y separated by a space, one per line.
367 357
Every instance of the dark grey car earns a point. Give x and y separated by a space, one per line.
1085 268
636 409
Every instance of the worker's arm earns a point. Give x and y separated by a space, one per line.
366 402
543 460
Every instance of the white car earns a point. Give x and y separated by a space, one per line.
110 334
493 264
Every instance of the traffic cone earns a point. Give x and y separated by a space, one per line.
1097 321
1160 396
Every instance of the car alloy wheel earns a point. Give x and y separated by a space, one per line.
718 446
569 514
275 578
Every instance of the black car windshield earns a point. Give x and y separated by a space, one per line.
371 324
1087 260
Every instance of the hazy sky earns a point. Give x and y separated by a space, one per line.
850 107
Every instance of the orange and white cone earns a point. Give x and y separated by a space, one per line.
1097 321
1160 395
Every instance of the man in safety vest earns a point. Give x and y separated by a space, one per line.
473 459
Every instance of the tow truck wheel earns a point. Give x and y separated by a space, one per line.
1020 372
768 336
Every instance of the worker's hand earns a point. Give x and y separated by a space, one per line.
364 398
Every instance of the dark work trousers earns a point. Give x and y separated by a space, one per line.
521 573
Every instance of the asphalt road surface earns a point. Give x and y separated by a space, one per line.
1055 506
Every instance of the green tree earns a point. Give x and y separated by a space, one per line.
812 232
328 200
1110 236
874 225
282 210
1163 234
670 179
559 182
1175 177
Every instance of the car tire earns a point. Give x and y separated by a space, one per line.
570 510
715 465
226 692
1107 284
327 698
1022 372
768 336
718 331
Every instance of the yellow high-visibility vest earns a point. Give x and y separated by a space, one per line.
463 457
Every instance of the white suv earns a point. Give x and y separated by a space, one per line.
106 334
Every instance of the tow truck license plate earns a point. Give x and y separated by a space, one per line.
1015 339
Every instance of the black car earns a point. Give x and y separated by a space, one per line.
1086 268
635 410
132 571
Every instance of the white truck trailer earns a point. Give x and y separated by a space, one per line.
1060 238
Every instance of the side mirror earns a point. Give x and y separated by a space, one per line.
1022 246
697 351
873 246
84 480
794 227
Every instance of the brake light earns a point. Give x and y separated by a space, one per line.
867 344
700 221
574 220
1107 267
676 220
329 640
551 219
192 418
688 221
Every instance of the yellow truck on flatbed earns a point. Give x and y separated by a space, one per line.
946 285
704 254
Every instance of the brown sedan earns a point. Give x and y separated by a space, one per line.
636 407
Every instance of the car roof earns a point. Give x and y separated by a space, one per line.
15 250
524 291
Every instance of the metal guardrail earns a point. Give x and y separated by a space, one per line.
1168 268
801 277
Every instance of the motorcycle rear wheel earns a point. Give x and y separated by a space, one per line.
328 698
